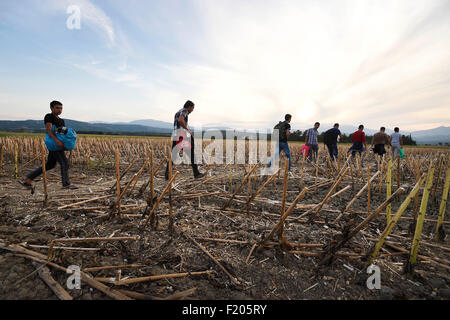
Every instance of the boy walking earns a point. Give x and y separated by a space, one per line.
53 119
181 121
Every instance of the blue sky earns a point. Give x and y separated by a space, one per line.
244 63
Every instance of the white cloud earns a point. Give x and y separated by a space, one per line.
348 61
91 15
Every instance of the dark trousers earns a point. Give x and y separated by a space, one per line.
194 165
53 157
313 151
333 151
379 149
357 147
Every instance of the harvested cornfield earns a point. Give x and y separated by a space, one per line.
321 231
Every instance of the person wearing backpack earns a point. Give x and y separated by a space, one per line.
50 120
284 130
331 139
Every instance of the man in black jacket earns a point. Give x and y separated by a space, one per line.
330 140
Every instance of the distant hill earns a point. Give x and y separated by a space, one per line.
432 136
153 123
164 125
83 127
156 127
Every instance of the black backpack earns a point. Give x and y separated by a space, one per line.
328 137
281 126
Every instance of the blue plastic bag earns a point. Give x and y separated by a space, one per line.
69 140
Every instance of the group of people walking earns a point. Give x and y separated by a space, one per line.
331 138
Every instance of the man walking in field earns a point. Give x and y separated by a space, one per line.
359 143
312 142
284 130
180 123
331 139
378 141
50 120
396 142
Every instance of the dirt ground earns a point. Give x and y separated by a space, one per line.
271 273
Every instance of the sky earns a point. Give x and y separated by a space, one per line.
244 63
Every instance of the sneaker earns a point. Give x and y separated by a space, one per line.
71 187
200 175
26 185
29 186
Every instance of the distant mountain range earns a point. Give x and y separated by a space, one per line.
432 136
85 127
156 127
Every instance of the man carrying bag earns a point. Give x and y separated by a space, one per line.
54 122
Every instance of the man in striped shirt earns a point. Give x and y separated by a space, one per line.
312 142
181 122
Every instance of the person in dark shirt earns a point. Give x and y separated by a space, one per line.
283 134
359 144
50 120
181 121
331 139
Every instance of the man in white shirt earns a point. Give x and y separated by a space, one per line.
396 142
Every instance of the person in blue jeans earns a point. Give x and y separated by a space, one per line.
284 131
359 144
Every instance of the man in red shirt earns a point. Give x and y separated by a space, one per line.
359 143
